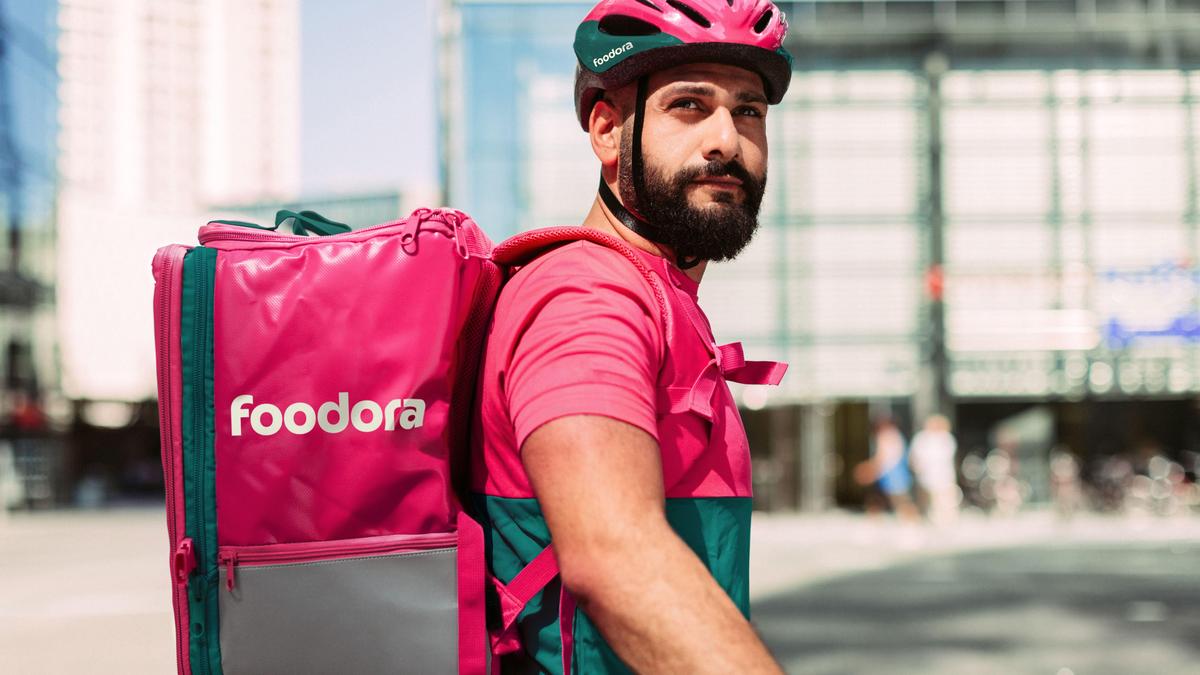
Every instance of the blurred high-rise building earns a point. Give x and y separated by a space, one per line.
28 355
166 108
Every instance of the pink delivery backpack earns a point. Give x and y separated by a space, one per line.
315 395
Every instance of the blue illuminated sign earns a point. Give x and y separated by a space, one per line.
1174 302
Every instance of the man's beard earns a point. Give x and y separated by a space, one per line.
716 231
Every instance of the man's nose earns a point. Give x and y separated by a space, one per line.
721 138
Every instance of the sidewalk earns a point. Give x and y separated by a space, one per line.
789 550
88 591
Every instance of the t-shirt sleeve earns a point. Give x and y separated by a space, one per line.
589 343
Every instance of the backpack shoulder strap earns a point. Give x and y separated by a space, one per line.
526 247
523 249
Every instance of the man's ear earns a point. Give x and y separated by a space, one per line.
604 129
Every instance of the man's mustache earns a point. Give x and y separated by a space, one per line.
717 169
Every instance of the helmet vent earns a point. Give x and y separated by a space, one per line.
763 20
619 24
655 7
690 12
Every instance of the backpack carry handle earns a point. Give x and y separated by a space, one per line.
310 222
304 223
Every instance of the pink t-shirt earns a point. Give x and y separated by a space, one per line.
579 331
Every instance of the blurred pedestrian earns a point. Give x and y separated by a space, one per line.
887 469
1066 488
11 494
932 461
1003 485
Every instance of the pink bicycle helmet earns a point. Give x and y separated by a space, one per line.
621 41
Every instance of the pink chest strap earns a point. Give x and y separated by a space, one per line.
736 368
728 359
732 364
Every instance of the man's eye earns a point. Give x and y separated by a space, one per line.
749 111
686 104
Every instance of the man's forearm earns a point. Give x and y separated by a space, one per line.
653 600
661 610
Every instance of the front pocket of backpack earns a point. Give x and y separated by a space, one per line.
374 605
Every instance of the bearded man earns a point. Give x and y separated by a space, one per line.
605 428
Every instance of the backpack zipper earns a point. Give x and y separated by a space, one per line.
222 231
202 275
278 554
168 257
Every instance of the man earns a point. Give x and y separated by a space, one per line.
606 425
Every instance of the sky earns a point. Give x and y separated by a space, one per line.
368 106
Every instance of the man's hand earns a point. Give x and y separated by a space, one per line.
600 486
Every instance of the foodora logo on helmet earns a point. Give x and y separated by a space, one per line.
267 419
612 54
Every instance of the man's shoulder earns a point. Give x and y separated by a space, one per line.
579 264
581 256
580 281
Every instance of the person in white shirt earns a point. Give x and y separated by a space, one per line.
932 457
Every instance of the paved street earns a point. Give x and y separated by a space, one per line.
833 593
1094 609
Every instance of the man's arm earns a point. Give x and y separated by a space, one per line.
600 486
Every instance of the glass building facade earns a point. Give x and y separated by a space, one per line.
970 203
28 192
28 185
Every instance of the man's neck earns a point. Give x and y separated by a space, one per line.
600 218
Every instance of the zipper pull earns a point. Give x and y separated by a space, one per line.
183 562
230 561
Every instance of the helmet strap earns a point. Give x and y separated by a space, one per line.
639 120
627 217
